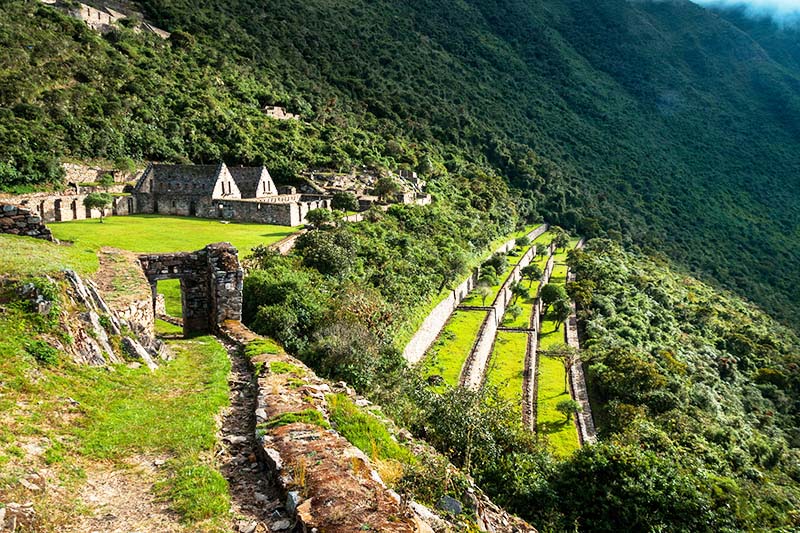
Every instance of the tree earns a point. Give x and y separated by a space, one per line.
344 201
523 242
517 290
484 292
514 311
125 165
488 276
318 218
531 272
566 354
568 408
560 238
106 181
582 292
98 200
561 311
498 261
552 293
386 186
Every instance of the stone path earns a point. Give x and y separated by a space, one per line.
255 500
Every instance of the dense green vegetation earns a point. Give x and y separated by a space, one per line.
604 113
674 366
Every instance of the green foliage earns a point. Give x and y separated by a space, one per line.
106 180
98 200
568 408
344 201
365 431
319 218
552 293
42 352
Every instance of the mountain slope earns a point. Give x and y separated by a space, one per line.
641 117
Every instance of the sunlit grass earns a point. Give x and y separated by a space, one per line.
447 355
507 365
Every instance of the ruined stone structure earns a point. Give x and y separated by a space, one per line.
20 221
211 284
244 194
279 113
65 207
102 18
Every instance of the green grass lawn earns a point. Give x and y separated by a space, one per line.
447 355
24 256
508 364
160 234
171 289
88 415
559 432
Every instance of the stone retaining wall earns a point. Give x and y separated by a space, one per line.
577 379
433 324
330 485
16 220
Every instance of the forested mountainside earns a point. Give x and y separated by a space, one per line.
625 119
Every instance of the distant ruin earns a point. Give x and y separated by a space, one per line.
103 18
243 194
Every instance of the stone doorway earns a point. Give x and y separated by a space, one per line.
210 284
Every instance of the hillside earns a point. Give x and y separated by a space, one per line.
614 118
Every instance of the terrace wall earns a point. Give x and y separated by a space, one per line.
577 380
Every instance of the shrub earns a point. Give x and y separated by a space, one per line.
42 352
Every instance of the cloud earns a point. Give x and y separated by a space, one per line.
784 11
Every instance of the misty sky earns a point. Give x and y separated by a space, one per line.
779 9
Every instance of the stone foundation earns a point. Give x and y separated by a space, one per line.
16 220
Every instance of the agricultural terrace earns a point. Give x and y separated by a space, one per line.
523 321
446 357
559 431
508 364
424 308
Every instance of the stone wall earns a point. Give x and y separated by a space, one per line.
211 284
66 207
577 379
16 220
339 480
432 326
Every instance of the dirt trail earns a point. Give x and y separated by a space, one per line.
254 499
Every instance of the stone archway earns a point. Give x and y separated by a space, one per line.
211 284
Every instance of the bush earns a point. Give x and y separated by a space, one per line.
42 352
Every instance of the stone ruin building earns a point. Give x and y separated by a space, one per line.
242 194
102 18
279 113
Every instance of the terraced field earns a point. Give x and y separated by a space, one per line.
507 365
447 355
